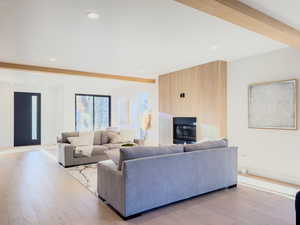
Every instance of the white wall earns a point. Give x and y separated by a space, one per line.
271 153
58 101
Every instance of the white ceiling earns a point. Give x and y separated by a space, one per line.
287 11
132 37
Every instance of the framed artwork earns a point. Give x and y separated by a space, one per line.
273 105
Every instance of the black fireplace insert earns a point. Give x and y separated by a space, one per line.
184 130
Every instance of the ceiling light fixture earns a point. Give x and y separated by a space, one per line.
52 59
93 15
214 47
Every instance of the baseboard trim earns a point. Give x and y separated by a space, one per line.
274 176
14 150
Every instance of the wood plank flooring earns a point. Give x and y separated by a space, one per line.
34 190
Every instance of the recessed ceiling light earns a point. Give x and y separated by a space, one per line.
214 47
52 59
93 15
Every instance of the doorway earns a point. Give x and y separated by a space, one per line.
27 118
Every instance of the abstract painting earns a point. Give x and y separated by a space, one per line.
273 105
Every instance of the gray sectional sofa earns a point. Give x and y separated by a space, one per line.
68 157
150 177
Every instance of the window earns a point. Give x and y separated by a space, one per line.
93 112
34 117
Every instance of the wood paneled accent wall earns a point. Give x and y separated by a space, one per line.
205 97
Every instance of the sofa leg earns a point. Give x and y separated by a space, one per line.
119 214
61 164
232 186
130 217
102 199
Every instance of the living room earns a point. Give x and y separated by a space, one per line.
106 106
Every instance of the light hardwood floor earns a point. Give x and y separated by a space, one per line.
34 190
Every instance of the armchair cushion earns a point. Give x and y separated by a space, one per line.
99 150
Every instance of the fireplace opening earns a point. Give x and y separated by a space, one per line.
184 130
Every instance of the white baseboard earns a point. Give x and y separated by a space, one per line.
12 151
274 175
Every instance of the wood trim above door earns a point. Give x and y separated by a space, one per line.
15 66
240 14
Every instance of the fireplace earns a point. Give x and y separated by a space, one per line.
184 130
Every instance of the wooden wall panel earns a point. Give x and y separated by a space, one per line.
205 97
165 94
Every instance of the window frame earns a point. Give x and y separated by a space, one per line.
92 95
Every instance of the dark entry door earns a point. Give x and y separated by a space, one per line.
27 119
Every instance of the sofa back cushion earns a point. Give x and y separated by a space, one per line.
147 151
108 136
66 135
204 145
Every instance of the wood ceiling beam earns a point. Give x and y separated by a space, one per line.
14 66
240 14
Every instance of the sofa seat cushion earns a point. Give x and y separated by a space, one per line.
99 150
147 151
204 145
112 146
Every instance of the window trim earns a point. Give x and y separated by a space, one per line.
92 95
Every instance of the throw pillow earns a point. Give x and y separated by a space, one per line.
113 155
84 143
117 139
110 137
66 135
97 137
88 136
78 141
105 137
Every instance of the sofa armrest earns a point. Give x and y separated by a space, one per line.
232 165
110 184
65 153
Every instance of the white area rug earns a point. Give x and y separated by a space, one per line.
87 176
